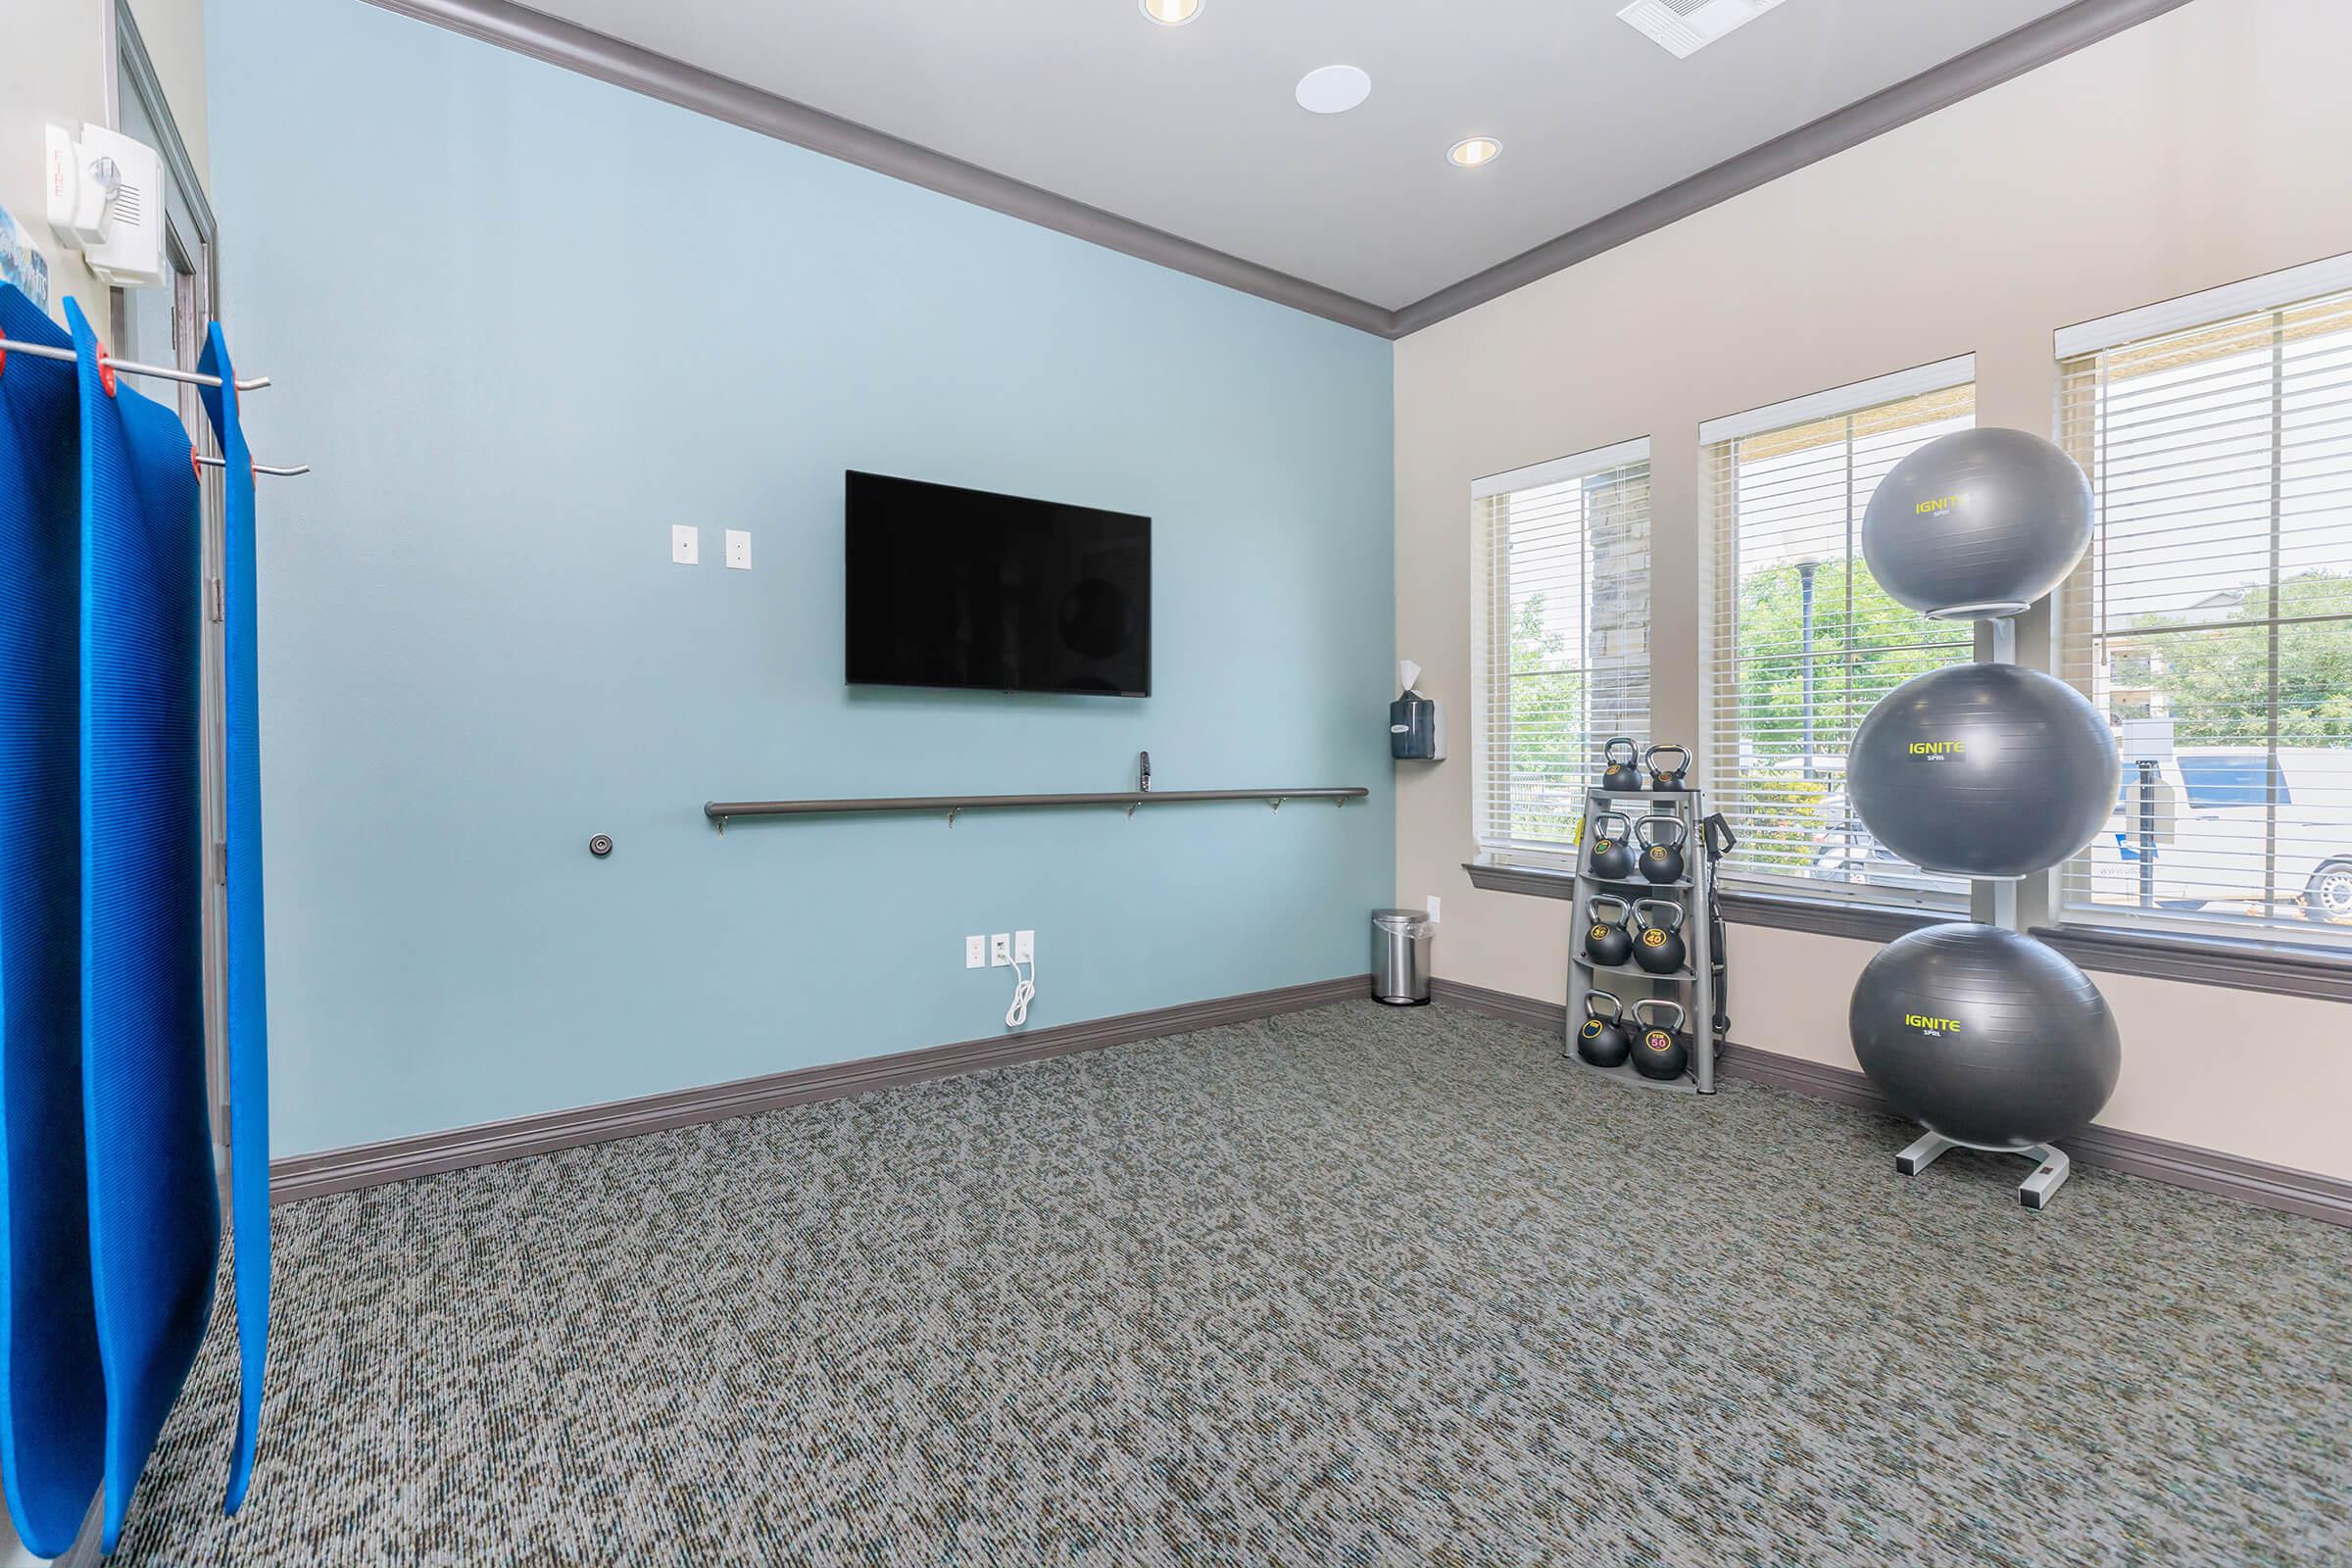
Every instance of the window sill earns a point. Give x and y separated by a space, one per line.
2206 960
1537 881
1829 918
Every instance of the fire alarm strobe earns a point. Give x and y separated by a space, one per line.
104 195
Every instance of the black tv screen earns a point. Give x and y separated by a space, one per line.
950 587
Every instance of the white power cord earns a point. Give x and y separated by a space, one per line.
1023 989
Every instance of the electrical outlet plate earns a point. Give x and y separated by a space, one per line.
1024 946
975 953
1433 909
738 549
999 949
685 544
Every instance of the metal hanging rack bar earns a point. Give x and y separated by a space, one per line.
720 810
44 350
272 469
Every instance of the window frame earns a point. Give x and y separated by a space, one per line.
1871 909
1499 851
2264 954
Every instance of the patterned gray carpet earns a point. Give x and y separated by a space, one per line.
1355 1286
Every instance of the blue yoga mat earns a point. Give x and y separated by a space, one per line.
155 1216
52 1393
248 1011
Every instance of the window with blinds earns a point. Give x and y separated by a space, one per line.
2212 621
1802 642
1561 628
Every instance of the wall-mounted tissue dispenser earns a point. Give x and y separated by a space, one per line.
1416 725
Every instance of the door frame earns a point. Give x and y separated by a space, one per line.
192 255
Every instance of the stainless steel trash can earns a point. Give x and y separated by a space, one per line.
1400 957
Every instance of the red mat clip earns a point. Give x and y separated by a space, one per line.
105 371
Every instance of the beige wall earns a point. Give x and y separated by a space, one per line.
55 66
2202 147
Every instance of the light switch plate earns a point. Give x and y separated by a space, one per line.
1433 909
685 544
975 953
738 549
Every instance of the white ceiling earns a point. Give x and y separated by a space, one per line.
1193 129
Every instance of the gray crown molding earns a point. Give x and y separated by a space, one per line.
625 65
2206 961
400 1159
2252 1181
1989 64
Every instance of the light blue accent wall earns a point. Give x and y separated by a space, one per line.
522 323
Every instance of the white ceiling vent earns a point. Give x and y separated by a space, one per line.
1686 26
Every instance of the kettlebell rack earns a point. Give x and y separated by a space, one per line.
1692 983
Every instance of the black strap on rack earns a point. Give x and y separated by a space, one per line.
1715 835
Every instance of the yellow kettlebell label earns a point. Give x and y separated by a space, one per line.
1591 1026
1653 939
1601 930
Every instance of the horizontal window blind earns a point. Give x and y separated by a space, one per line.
2212 623
1561 632
1802 642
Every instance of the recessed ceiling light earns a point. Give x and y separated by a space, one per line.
1171 13
1473 150
1333 89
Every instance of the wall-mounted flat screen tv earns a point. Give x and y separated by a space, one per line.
950 587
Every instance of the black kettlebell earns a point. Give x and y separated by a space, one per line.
1621 772
1657 949
1612 856
1660 1050
1661 863
1607 941
1666 780
1602 1041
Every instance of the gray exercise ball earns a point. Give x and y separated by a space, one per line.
1985 1036
1978 523
1984 770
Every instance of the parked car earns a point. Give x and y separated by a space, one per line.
2209 828
2212 832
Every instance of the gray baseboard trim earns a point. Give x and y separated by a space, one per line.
1816 1080
400 1159
2206 961
1989 64
1550 1016
624 65
2252 1181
